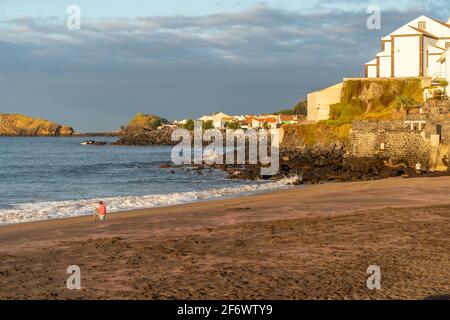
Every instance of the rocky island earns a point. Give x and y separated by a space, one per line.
146 129
16 125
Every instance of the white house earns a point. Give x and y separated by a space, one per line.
220 119
413 50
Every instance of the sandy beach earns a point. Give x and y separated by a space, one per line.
312 242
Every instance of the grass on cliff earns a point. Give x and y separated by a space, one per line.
376 100
319 133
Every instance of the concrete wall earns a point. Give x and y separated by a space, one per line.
427 68
372 71
407 56
434 67
319 102
385 67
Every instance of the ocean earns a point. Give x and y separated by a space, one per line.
48 178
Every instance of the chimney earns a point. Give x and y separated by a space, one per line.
448 21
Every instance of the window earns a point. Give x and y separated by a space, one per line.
422 25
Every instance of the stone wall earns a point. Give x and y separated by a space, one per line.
408 147
390 140
435 126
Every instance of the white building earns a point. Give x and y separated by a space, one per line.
180 122
220 119
206 118
412 50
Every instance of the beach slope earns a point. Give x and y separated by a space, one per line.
304 243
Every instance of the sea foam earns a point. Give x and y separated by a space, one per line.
63 209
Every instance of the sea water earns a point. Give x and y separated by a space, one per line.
47 178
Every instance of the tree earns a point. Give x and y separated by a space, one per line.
300 109
189 125
404 103
234 125
206 125
155 123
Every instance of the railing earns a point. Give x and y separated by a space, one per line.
438 77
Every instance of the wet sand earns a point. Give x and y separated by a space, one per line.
304 243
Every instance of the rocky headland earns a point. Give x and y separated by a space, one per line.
145 130
19 125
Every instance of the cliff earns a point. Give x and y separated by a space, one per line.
363 99
146 129
20 125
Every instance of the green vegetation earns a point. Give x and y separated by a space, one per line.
206 125
234 125
360 100
17 124
189 125
319 134
438 90
404 103
157 122
376 99
300 108
142 120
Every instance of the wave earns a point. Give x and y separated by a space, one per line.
39 211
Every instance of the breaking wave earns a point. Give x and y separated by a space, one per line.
63 209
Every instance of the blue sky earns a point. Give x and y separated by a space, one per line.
185 58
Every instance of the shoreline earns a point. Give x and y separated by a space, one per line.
153 201
309 243
225 198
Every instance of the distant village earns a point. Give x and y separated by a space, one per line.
222 120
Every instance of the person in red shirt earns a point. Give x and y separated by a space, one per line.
101 211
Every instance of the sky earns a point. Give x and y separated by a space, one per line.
183 58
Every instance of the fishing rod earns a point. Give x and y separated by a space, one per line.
83 195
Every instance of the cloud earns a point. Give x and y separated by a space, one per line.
258 35
257 60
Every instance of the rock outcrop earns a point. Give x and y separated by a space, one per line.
20 125
144 130
315 165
